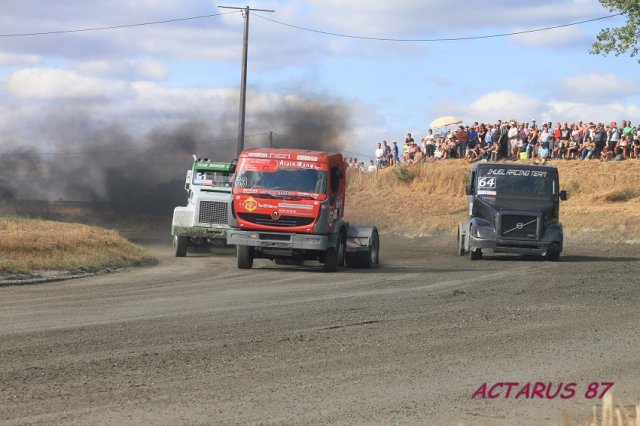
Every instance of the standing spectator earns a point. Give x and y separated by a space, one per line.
502 150
626 139
545 141
474 138
379 156
556 134
599 138
462 138
372 167
636 144
613 136
482 133
512 135
387 153
431 144
565 136
396 153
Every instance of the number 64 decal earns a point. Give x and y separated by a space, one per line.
486 182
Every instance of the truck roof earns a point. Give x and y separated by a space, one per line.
289 154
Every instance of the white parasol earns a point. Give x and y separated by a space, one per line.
445 121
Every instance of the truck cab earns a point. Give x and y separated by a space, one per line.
512 208
204 221
288 206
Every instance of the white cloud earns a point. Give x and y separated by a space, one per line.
57 84
598 87
9 59
556 39
503 105
133 69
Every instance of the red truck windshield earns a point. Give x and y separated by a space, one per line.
282 179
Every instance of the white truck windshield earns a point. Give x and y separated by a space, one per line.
209 178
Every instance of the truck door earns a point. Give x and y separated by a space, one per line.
336 193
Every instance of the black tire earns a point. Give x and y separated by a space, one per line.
335 256
460 243
553 254
370 258
181 243
244 255
474 253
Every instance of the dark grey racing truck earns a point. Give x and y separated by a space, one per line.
512 208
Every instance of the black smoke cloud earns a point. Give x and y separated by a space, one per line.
107 164
315 125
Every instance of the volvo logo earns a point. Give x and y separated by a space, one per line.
520 225
275 215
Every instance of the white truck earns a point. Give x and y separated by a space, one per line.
204 221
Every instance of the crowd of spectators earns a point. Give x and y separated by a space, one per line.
513 140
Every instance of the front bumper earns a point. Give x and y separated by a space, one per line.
281 240
514 246
219 231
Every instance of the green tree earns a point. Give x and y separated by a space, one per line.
620 39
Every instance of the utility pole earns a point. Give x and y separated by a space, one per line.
270 139
243 78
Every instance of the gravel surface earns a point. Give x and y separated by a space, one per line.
196 341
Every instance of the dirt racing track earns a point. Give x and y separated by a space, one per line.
196 341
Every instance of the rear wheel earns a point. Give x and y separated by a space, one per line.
180 243
371 257
245 257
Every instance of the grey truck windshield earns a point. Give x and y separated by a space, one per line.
516 182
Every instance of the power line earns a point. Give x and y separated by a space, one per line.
426 40
141 24
432 40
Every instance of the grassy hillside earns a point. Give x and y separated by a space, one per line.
428 199
32 244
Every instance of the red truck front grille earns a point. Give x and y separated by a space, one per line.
283 221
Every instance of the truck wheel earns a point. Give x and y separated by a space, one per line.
460 243
475 254
245 257
180 243
334 256
553 254
371 257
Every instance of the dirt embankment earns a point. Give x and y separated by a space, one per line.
429 199
28 245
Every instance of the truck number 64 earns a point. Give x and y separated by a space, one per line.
486 182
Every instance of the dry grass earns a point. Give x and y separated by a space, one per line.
31 244
612 415
602 196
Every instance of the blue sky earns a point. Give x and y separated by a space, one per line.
166 74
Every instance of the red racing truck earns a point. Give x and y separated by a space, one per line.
288 206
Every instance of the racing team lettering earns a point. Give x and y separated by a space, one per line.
299 165
516 172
